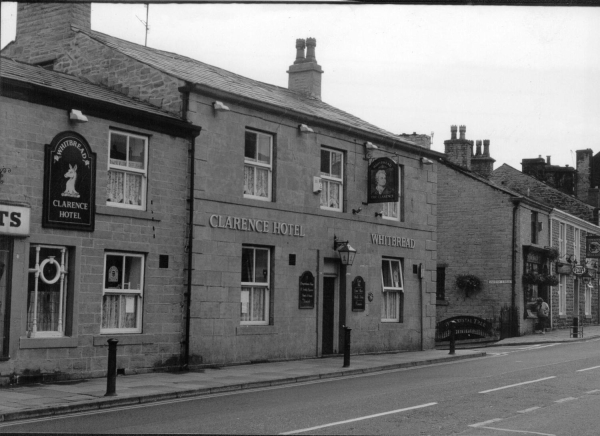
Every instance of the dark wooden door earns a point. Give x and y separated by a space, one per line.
328 314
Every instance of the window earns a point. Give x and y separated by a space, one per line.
258 165
588 299
440 293
393 290
122 293
47 290
562 240
534 227
394 211
576 246
562 295
255 286
332 173
127 171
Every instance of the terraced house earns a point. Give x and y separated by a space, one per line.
306 219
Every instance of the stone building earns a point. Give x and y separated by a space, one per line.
93 217
281 183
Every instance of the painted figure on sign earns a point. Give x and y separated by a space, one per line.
70 188
380 184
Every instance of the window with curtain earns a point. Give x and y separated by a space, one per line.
123 293
394 210
127 170
332 178
258 165
255 286
47 290
393 290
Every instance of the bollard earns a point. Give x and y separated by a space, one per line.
111 374
452 337
346 346
575 333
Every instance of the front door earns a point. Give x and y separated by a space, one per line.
328 314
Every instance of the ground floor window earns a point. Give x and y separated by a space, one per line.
562 295
393 290
6 244
255 286
47 290
123 292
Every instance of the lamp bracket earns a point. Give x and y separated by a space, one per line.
337 244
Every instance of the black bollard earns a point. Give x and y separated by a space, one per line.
346 346
111 375
452 338
575 333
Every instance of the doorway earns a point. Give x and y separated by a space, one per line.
328 315
5 268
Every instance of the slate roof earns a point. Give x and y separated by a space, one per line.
52 80
526 185
196 72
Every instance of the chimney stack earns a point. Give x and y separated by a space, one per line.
462 130
452 132
483 164
305 74
459 151
486 147
548 160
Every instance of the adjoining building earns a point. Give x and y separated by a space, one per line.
93 214
286 187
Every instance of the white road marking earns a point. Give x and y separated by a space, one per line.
587 369
359 419
593 392
481 424
531 409
517 384
519 431
564 400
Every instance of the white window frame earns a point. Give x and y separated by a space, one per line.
562 240
61 277
129 170
577 244
398 290
256 164
386 207
137 293
328 178
562 294
266 286
587 295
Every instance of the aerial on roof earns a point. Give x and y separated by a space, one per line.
531 187
196 72
36 75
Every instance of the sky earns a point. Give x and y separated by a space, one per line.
526 78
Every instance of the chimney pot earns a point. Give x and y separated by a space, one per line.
452 132
462 130
300 45
478 146
548 160
311 43
486 147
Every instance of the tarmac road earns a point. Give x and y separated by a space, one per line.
531 389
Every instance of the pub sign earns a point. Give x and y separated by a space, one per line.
306 291
358 294
69 183
383 181
592 246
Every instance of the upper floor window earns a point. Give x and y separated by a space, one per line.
562 239
534 227
576 245
393 290
332 175
258 165
394 211
127 170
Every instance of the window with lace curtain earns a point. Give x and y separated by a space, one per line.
127 170
258 165
332 177
393 290
255 286
394 210
47 291
122 293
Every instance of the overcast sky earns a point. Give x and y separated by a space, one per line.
526 78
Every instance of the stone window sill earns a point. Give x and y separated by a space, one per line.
126 339
131 213
255 330
29 343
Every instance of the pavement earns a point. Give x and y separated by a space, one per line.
41 400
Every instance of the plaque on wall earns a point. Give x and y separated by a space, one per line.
358 294
306 291
383 181
69 183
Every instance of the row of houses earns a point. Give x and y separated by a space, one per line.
204 218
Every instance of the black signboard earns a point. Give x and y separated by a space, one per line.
69 183
358 294
306 291
592 246
383 181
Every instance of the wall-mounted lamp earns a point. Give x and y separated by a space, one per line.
425 161
378 214
355 211
220 107
345 250
76 116
369 147
303 128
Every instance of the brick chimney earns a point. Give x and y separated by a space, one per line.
43 27
305 74
459 151
482 163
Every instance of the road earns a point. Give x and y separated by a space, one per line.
551 389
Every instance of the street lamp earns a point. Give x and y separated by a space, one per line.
345 250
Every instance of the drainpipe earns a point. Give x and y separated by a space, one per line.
516 202
421 273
